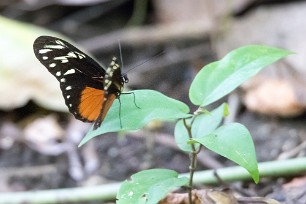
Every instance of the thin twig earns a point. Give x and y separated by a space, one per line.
149 35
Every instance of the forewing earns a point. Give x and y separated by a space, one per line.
58 55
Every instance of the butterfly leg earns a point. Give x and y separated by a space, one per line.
134 98
120 112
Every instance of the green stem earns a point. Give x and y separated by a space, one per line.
108 192
193 162
193 154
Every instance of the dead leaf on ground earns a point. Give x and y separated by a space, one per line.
295 190
44 134
9 133
296 182
43 130
22 77
273 97
214 196
204 196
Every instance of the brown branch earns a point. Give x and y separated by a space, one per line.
149 35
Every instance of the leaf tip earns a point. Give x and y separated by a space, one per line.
256 178
82 143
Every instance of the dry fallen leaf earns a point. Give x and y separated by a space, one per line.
295 190
296 183
9 133
214 196
22 77
43 130
204 196
44 134
273 97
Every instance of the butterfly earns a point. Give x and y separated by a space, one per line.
88 88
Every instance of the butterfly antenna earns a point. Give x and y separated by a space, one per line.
148 60
120 52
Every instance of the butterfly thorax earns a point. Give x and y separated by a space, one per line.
114 80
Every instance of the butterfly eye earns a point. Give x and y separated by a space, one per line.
124 78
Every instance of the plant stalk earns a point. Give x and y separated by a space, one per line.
106 192
193 162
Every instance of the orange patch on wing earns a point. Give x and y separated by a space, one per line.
91 103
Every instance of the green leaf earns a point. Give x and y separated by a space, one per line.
217 79
181 136
202 125
152 106
234 142
149 186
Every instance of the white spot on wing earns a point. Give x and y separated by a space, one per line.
68 96
72 54
44 57
58 73
62 58
70 71
63 80
80 55
68 88
52 65
108 70
60 42
58 47
43 51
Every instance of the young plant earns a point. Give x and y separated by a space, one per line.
192 131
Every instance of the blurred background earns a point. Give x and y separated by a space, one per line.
168 41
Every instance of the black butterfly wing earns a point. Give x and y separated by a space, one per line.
54 53
80 77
